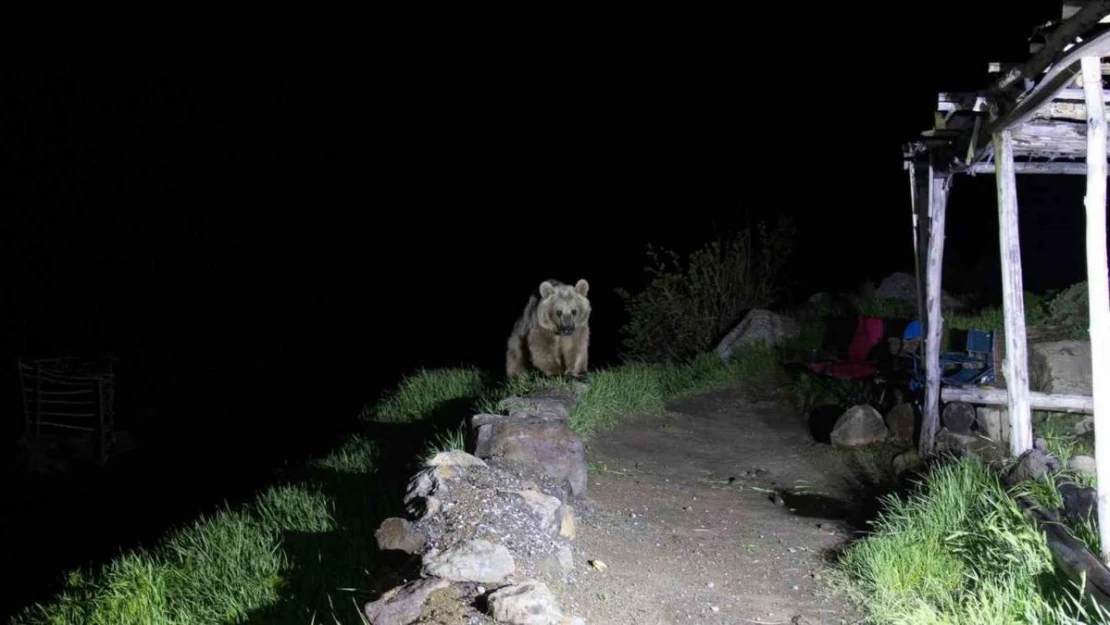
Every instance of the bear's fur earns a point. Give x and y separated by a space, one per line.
553 334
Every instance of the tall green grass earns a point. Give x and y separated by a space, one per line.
419 394
958 550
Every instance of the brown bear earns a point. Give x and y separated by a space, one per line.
553 334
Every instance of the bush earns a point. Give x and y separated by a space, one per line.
684 310
1070 310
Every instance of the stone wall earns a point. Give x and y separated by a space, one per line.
492 533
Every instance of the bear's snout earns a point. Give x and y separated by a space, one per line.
566 329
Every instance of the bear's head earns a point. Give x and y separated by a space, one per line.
563 308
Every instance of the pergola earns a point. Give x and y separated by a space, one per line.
1044 116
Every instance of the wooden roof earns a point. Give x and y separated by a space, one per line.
1040 101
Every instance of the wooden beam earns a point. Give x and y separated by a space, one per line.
1062 36
1059 167
1075 111
1016 363
1046 135
1053 402
1098 293
1050 84
930 418
1077 95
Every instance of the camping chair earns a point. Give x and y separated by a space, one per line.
859 364
975 365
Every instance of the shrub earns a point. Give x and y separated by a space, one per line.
684 309
1070 310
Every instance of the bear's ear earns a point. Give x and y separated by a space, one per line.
546 288
582 287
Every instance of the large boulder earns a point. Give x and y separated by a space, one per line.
758 326
859 426
536 433
903 286
1060 367
545 443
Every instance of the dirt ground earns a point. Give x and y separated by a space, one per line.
724 510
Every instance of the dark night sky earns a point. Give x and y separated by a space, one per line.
266 250
365 221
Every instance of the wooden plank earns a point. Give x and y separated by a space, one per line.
1058 167
1077 95
1075 111
1098 294
1052 402
1050 137
930 418
1017 364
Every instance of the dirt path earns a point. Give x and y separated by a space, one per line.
680 512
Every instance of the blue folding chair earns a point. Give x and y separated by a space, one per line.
975 365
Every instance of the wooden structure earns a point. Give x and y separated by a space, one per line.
70 400
1044 116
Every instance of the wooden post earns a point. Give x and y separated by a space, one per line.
1013 304
1098 289
919 233
933 323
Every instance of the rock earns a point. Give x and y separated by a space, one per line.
1060 367
397 534
969 444
568 525
454 458
528 603
1033 465
958 417
428 482
901 421
903 286
544 507
898 285
556 402
550 446
419 500
470 561
1083 464
860 425
424 507
402 605
758 326
1079 501
1085 426
906 461
566 558
994 423
559 563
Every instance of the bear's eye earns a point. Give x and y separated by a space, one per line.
574 311
559 313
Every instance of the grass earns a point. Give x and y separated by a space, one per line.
301 552
958 550
285 558
641 387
